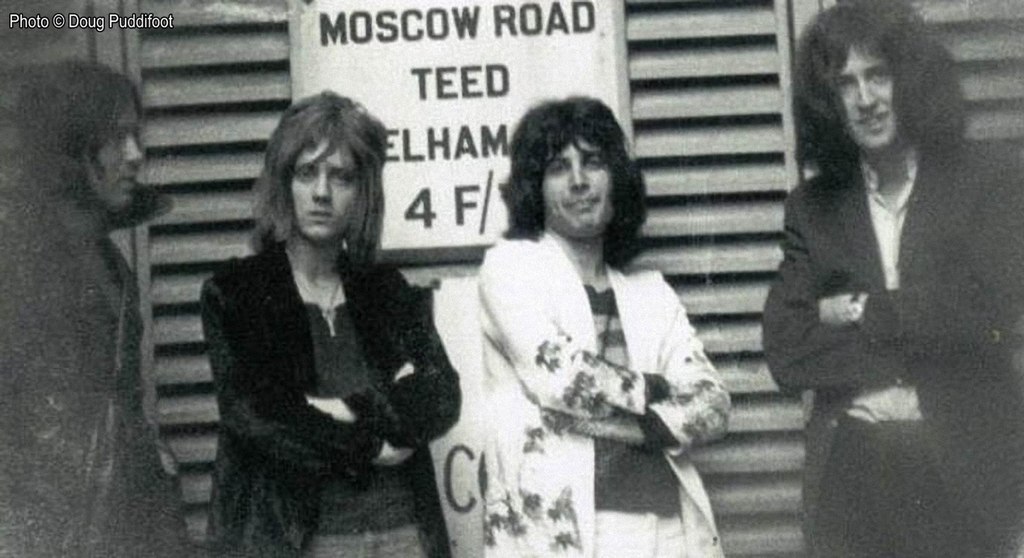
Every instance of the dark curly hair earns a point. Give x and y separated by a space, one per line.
927 99
543 132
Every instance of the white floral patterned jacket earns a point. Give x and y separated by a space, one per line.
547 395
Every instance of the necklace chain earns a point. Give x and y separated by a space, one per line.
321 298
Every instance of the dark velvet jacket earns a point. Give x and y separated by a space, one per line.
946 329
274 449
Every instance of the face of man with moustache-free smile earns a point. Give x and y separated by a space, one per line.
865 90
577 192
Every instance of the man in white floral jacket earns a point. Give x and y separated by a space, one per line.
598 385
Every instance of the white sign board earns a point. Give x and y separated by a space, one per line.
458 455
449 79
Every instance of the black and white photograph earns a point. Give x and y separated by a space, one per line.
512 279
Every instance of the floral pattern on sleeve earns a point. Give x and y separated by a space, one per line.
592 387
703 411
696 410
515 517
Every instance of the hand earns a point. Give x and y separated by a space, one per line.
333 406
407 369
390 456
842 309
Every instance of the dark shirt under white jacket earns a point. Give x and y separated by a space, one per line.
275 450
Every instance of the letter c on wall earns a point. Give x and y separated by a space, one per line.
448 488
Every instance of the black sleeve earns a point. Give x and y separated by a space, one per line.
802 352
1001 235
657 435
657 388
951 314
427 402
270 417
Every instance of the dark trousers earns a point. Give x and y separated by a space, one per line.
882 495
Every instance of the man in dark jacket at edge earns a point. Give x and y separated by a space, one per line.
81 468
901 279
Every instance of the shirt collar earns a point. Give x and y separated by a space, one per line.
871 177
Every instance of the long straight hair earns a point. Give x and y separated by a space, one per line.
340 122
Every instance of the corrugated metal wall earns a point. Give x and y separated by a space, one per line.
709 85
713 132
213 88
986 38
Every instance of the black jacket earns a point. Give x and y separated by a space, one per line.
80 473
946 329
274 449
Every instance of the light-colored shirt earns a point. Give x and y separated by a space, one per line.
888 216
897 402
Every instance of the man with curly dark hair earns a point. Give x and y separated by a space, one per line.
593 363
892 299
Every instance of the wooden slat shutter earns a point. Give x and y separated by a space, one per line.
713 131
213 88
986 38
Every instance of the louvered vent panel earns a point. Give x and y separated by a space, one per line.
213 88
713 132
986 38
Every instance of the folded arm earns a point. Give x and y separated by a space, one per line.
686 401
693 404
802 351
948 313
680 403
273 417
552 368
424 390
